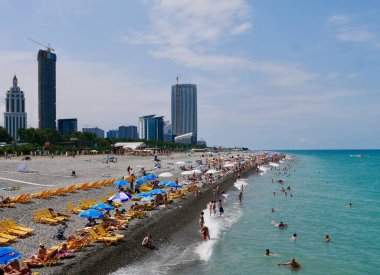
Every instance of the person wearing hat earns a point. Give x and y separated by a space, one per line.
41 251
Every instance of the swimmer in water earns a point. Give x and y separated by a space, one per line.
272 210
292 263
327 238
281 225
294 237
274 194
350 205
268 253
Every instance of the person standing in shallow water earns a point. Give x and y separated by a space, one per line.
202 219
221 210
205 233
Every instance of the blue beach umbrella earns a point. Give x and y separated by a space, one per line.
163 183
172 184
157 191
150 177
103 206
92 213
201 167
8 255
121 182
120 197
141 181
141 195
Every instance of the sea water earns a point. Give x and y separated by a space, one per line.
322 183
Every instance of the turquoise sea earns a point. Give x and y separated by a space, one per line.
323 183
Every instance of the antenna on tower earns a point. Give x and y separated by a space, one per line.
49 49
178 78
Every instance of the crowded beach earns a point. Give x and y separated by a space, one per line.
57 210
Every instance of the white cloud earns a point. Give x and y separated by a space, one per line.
346 29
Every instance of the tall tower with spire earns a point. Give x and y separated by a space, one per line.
15 115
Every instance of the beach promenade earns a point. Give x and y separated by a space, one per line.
44 173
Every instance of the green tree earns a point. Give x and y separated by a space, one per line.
4 136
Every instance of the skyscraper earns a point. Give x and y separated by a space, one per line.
184 110
14 116
151 127
97 131
67 126
46 89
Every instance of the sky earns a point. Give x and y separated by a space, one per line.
285 74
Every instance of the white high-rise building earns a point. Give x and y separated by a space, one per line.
14 116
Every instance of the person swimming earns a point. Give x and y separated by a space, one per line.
294 237
292 263
272 210
327 238
268 253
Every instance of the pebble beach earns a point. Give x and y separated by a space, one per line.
44 172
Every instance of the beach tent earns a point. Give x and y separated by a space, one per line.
21 167
8 255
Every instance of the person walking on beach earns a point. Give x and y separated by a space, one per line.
221 210
205 233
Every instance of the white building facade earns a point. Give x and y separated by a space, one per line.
15 116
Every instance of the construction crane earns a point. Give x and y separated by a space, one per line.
49 49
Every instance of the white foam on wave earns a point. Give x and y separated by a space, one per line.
239 183
274 164
217 225
263 169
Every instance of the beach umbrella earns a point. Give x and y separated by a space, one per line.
140 166
141 181
92 213
180 163
103 206
165 175
162 183
121 182
186 173
230 165
212 171
196 172
157 191
172 184
200 167
149 198
188 161
8 255
120 197
142 195
150 177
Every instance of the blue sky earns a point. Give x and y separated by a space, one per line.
270 74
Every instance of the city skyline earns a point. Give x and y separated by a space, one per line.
276 75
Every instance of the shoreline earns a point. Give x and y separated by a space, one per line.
163 226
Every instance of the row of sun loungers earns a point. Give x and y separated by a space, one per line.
44 216
10 231
24 198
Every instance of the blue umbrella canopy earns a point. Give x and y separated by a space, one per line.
163 183
150 177
8 255
157 191
103 206
141 195
92 213
121 182
141 181
172 184
201 167
120 197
